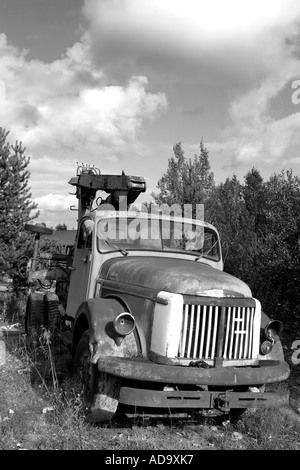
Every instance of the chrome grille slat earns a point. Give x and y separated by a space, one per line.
251 330
246 333
203 323
242 333
231 336
227 331
236 331
215 329
196 330
200 332
246 345
191 324
208 337
183 336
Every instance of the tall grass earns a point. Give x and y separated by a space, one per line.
271 430
58 406
42 409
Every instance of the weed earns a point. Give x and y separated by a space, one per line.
59 419
270 429
40 408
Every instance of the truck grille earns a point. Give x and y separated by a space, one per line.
210 331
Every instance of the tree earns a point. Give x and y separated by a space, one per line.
15 205
185 181
228 213
61 227
280 258
254 192
259 225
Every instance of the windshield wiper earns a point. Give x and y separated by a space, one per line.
114 247
206 253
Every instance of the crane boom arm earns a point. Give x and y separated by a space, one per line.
117 186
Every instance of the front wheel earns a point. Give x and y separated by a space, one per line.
83 369
101 390
106 398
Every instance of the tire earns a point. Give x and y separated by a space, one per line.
35 314
52 315
83 369
106 399
101 390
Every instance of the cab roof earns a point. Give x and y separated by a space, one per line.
102 213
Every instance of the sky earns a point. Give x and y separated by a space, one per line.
116 83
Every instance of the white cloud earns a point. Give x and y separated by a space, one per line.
95 99
259 137
55 209
246 48
291 161
189 22
48 167
193 40
66 104
55 202
68 107
203 41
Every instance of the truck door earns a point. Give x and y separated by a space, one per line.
80 270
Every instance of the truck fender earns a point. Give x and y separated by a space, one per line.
277 353
264 320
96 316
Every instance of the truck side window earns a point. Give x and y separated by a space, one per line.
81 238
89 241
85 235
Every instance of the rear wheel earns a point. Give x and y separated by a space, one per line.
100 390
35 314
52 315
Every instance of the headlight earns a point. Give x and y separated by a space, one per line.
266 347
124 324
273 330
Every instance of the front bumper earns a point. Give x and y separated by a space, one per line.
172 398
143 370
223 401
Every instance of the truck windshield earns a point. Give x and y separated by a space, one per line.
157 235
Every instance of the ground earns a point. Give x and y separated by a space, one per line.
41 408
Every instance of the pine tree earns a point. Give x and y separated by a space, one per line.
255 199
15 205
186 181
229 214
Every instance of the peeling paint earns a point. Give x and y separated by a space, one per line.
171 274
104 346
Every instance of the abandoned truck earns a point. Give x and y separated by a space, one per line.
153 323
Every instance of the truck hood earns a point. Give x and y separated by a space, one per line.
172 275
